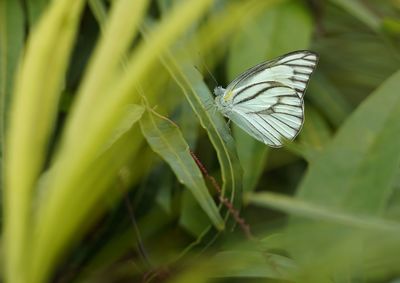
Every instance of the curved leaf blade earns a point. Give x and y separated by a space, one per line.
310 210
165 138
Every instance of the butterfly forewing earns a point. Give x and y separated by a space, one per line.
293 70
267 100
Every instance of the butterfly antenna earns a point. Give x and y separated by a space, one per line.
208 70
211 75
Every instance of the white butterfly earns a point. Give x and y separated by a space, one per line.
267 100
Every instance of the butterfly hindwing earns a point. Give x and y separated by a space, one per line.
273 110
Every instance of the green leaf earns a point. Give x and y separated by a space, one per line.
99 11
11 43
192 217
357 169
239 264
35 9
165 138
267 35
132 114
393 208
258 264
305 209
114 44
188 124
164 196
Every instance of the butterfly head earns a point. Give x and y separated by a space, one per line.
222 95
219 90
220 100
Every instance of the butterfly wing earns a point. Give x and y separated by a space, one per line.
272 113
293 69
267 100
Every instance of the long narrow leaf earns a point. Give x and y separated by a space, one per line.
34 10
115 41
11 40
305 209
165 138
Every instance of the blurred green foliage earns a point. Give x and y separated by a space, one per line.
116 166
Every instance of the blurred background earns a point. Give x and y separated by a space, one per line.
116 166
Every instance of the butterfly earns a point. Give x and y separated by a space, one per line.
266 100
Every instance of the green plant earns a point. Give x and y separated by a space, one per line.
116 167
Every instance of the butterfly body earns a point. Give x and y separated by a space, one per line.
267 100
224 105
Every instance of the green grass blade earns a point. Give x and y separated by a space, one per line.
253 264
99 11
11 43
32 118
242 265
300 208
165 139
115 41
357 169
35 9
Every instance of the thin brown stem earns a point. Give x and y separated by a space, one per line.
225 201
